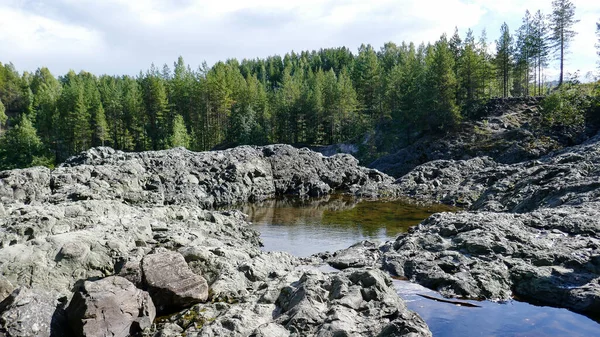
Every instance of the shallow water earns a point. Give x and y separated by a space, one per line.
311 226
306 227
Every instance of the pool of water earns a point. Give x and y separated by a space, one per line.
306 227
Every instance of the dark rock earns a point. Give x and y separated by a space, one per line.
171 283
110 307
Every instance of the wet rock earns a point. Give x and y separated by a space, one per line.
110 307
171 283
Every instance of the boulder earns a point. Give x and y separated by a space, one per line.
31 312
171 283
112 306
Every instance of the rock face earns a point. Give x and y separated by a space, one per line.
171 283
112 306
509 132
533 229
114 237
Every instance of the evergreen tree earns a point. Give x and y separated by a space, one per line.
469 62
540 48
352 122
21 147
366 75
504 58
441 83
485 73
523 56
562 21
156 107
179 135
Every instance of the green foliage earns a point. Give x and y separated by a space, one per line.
21 147
3 117
566 106
179 136
377 99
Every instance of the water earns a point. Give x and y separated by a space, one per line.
311 226
306 227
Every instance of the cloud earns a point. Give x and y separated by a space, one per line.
124 36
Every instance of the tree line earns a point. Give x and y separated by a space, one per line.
312 97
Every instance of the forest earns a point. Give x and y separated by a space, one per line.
308 98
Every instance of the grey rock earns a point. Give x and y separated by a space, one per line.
30 312
143 217
171 283
112 306
5 288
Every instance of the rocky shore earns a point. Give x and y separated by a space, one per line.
529 229
120 244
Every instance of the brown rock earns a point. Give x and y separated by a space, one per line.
112 307
171 283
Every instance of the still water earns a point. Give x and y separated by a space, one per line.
306 227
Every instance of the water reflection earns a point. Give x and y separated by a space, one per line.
494 319
305 227
311 226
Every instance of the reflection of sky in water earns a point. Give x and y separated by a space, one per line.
305 240
494 319
329 225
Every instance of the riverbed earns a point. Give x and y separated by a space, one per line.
306 227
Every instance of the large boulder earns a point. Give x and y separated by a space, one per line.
171 283
112 306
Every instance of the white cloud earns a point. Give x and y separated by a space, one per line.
124 36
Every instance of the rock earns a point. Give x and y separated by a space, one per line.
171 283
355 302
31 185
140 219
112 306
216 178
489 255
5 288
508 131
30 312
362 254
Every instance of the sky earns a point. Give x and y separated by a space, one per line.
125 36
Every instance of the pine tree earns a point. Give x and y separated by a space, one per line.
504 56
540 49
352 123
562 21
441 87
179 135
469 62
21 147
523 56
485 73
366 76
